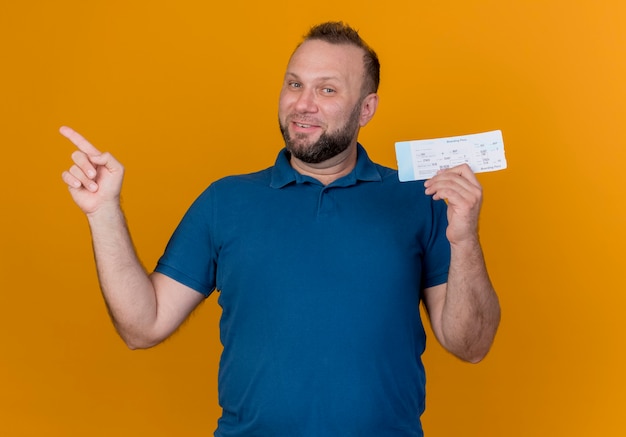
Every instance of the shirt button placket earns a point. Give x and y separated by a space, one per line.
324 204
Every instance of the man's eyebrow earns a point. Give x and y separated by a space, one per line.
319 79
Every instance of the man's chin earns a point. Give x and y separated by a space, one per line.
299 152
304 140
301 146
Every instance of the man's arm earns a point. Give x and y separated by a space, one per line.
465 312
145 309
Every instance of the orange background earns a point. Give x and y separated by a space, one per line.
186 92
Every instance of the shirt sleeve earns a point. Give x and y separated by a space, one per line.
190 255
436 260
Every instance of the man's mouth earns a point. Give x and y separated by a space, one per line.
305 124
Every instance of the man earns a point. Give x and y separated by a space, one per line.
321 262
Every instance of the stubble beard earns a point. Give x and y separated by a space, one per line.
327 146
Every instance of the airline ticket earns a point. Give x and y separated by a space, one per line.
422 159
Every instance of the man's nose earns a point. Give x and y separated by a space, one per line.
306 101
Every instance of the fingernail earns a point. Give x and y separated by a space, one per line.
93 186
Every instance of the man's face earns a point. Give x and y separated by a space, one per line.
320 101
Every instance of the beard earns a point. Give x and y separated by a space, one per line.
327 146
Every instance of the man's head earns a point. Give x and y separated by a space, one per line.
329 92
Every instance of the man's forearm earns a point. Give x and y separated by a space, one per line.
471 311
126 287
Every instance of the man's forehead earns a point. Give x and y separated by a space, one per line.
335 59
311 46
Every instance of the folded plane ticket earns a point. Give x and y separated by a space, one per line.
422 159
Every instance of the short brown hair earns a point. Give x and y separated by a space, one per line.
336 32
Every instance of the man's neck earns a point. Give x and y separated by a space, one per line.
330 170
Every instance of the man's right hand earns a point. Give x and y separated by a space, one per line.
95 179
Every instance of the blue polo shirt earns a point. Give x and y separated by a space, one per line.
320 288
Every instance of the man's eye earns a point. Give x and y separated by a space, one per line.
295 85
328 90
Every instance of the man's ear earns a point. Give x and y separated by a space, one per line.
368 108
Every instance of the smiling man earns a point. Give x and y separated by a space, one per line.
321 262
325 99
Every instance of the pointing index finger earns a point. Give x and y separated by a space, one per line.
79 141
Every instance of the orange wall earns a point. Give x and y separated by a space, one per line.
185 92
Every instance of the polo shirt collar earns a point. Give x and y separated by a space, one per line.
284 174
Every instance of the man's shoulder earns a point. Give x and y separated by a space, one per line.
262 177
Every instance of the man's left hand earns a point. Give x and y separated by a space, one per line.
459 187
